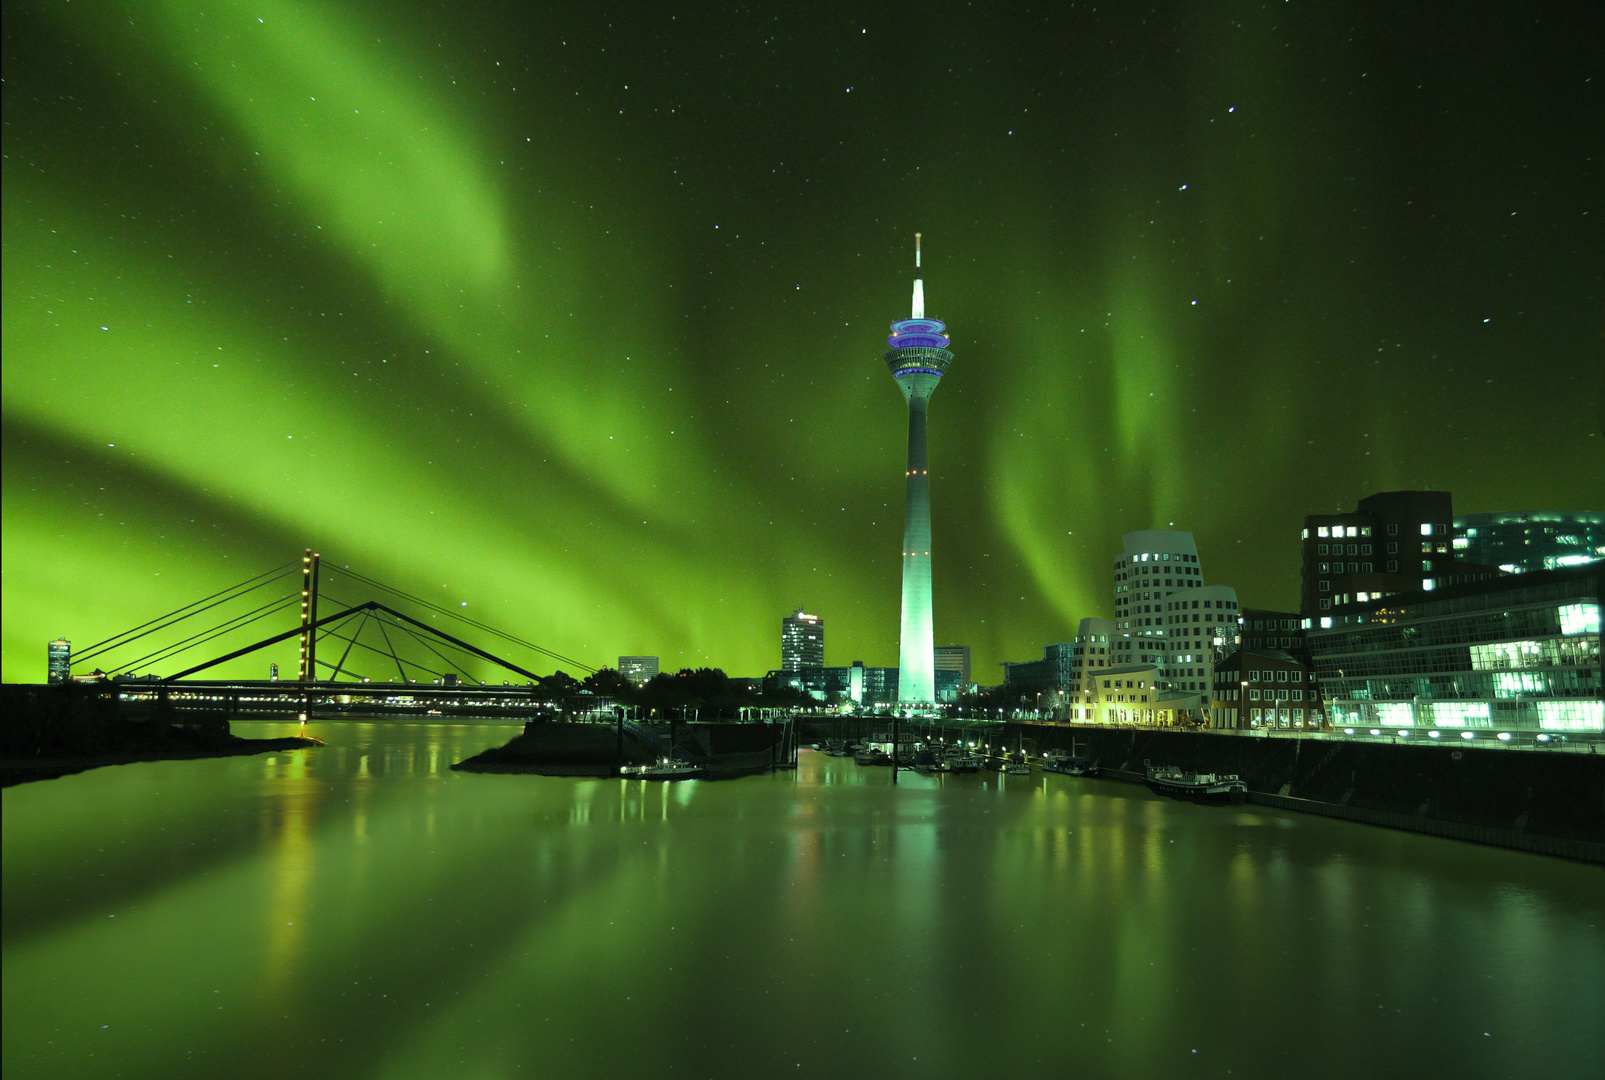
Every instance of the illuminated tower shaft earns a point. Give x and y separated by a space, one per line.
917 360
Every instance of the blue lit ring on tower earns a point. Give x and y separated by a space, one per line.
918 334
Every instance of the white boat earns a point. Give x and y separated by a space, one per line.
1199 787
663 769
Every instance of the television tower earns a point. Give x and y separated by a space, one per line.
917 359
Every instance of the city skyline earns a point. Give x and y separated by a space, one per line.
282 277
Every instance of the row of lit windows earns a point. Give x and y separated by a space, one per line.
1265 675
1333 531
1508 624
1156 556
1545 715
1547 682
1281 717
1235 694
1354 549
1337 568
1495 656
1219 605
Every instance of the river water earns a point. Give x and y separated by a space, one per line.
362 911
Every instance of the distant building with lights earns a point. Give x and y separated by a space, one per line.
954 658
802 641
1524 541
59 661
918 358
1496 658
855 684
638 669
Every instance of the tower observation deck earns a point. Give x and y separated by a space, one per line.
918 358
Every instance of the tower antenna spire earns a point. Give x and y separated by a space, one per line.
919 283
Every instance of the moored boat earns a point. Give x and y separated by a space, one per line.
959 760
1059 761
1199 787
664 769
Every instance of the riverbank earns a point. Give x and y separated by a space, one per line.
51 731
1528 800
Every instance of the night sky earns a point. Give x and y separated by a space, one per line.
575 313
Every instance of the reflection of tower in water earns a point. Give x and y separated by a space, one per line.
917 359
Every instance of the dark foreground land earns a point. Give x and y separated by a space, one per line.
51 731
581 749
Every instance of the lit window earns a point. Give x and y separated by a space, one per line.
1426 530
1322 531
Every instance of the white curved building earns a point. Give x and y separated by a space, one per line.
1164 613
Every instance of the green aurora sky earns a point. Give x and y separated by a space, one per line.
575 313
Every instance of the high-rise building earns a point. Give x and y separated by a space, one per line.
638 669
1394 542
918 358
802 641
954 658
59 669
1519 542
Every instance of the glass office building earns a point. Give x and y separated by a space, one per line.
1521 542
1497 658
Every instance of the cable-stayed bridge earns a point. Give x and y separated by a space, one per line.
387 652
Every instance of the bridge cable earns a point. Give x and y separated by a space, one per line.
168 620
426 643
167 652
459 665
400 670
463 618
370 648
418 636
366 615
